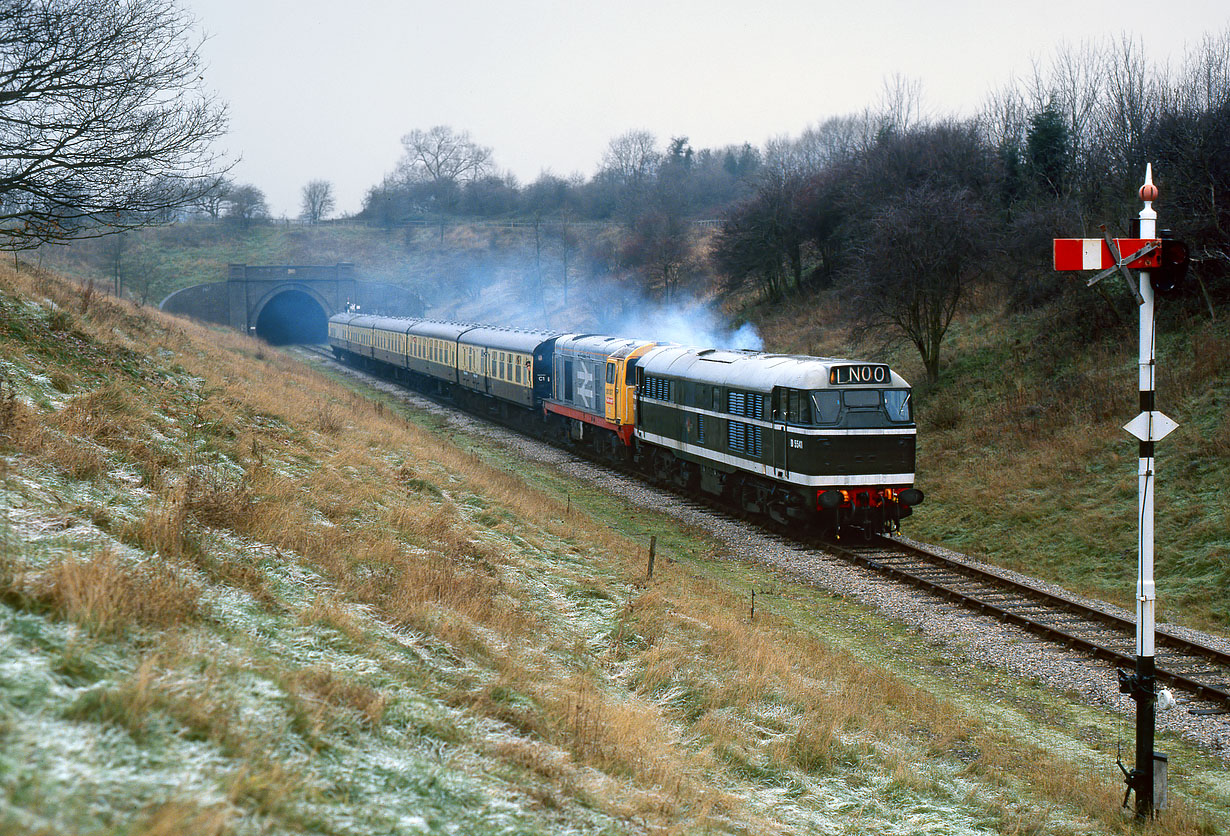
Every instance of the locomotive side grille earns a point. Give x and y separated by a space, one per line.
745 404
657 388
743 438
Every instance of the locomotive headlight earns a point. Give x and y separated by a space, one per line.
910 496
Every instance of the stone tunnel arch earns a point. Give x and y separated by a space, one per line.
291 314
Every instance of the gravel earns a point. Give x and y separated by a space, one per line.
969 638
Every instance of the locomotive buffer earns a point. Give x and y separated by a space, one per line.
1148 778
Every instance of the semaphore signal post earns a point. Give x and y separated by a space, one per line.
1167 259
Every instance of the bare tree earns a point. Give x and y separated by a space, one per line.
1072 85
900 107
212 200
835 140
660 245
918 257
631 158
442 155
317 200
104 122
1130 101
246 204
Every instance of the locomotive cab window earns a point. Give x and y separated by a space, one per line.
826 407
862 398
897 405
798 407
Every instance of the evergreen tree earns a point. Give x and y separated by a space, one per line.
1046 151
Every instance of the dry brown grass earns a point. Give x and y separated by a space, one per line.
265 786
165 529
328 611
107 596
185 818
325 691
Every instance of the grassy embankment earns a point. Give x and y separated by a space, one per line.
1025 463
1022 451
239 598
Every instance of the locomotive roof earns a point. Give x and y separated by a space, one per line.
752 371
597 344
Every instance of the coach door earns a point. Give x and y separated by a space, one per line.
612 390
781 440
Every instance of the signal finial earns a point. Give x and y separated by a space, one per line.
1148 192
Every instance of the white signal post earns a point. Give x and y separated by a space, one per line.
1150 426
1146 591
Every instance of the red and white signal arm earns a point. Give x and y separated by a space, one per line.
1094 254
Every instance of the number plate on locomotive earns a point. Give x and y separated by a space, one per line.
862 373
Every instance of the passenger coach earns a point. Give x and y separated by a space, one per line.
507 363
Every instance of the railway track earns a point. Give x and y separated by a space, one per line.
1200 674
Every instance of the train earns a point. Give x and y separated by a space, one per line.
823 443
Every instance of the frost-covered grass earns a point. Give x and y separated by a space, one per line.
237 597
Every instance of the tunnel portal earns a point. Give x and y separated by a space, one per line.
292 317
288 303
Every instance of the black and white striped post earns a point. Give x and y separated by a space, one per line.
1149 427
1148 778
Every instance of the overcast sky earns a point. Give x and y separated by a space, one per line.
325 89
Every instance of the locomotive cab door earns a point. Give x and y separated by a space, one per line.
612 389
781 440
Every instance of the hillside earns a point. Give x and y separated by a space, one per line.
1021 451
240 598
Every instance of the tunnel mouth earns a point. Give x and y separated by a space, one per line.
292 318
